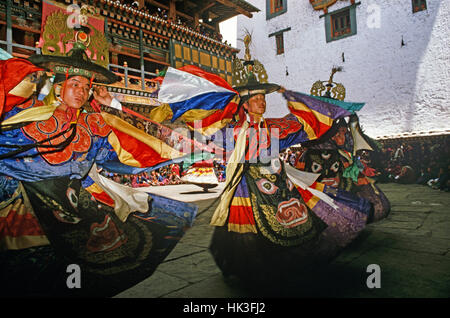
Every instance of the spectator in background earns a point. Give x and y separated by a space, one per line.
176 169
399 155
425 176
406 175
442 182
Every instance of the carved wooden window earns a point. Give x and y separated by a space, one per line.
279 40
276 5
280 43
419 5
275 8
341 23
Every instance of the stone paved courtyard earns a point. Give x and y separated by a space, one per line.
411 246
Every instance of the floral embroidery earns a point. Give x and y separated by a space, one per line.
285 126
88 126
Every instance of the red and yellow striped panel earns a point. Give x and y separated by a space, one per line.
241 218
136 148
309 198
100 195
19 228
212 120
315 124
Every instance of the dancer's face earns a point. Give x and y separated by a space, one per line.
256 104
325 162
75 91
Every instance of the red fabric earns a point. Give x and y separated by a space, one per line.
319 127
241 215
226 113
104 198
12 72
176 169
181 138
204 164
158 79
213 78
15 225
306 195
284 126
141 152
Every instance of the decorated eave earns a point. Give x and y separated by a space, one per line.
418 134
221 10
192 10
162 29
217 10
325 4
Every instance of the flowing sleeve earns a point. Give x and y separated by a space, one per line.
309 119
139 144
205 101
130 150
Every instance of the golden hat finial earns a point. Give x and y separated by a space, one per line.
247 41
247 69
329 88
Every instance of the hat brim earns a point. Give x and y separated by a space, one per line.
101 74
251 90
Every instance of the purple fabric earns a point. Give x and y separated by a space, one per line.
242 189
348 198
320 106
344 224
380 203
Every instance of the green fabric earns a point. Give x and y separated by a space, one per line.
351 107
352 172
193 158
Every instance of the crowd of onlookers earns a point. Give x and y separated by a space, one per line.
407 162
163 14
415 161
219 167
166 175
419 161
163 176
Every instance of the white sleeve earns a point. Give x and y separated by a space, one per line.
116 104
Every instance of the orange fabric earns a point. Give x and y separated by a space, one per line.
300 165
362 181
12 72
87 126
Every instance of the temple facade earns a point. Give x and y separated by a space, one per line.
394 57
144 37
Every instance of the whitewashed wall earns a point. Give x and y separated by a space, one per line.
406 88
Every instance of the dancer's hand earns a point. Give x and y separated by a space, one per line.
102 95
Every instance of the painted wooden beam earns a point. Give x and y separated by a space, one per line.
236 7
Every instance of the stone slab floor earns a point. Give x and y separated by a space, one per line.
411 247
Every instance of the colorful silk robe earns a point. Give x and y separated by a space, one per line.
262 198
113 144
